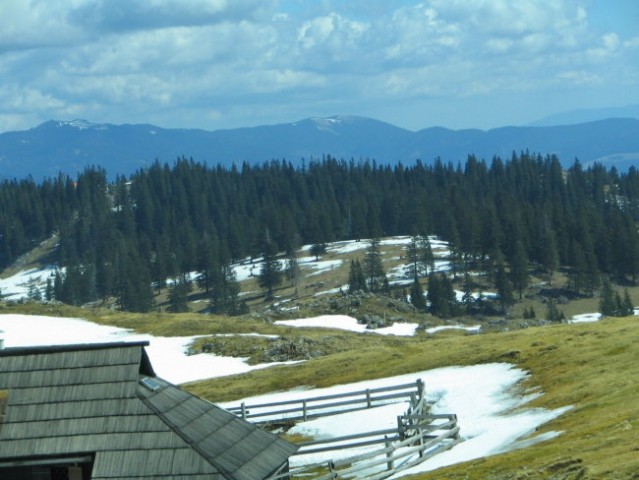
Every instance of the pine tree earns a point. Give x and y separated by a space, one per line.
293 272
607 305
417 295
225 293
412 255
317 250
425 253
467 298
34 293
519 268
374 269
627 306
270 275
441 296
48 291
179 295
356 278
504 288
549 256
553 314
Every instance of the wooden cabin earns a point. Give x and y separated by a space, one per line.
98 411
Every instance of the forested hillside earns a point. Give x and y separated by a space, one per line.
124 238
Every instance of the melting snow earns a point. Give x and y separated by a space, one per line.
168 354
490 408
344 322
489 405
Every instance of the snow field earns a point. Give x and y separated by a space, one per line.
490 407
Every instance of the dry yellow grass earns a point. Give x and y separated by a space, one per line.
592 367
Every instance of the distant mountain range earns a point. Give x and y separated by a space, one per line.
70 146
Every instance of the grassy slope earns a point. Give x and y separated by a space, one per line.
592 367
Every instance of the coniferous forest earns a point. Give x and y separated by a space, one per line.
124 238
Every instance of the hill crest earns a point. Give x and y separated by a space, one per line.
70 146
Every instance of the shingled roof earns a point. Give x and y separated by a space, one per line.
102 404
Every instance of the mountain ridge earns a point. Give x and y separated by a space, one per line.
70 146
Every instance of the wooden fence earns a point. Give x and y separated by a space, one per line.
418 436
308 408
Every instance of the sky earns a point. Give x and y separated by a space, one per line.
217 64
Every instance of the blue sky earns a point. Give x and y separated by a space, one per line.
216 64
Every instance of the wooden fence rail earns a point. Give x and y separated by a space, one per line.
418 436
307 408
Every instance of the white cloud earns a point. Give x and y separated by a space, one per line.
233 57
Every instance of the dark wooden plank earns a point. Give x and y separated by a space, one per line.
79 409
64 360
71 393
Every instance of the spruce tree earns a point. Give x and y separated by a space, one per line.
504 288
317 250
467 298
417 295
519 268
225 291
549 256
270 275
373 267
48 291
441 296
356 278
293 272
412 255
425 254
627 306
179 295
607 305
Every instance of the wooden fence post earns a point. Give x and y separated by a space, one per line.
243 406
389 454
420 388
368 397
331 469
304 414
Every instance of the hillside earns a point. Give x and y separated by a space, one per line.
589 367
71 146
322 288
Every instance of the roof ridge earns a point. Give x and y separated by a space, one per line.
75 347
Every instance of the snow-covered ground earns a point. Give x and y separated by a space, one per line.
17 286
167 354
344 322
491 409
586 318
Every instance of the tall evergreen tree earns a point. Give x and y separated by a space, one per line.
270 275
519 268
417 295
412 255
373 267
356 278
179 295
441 296
425 254
504 288
607 305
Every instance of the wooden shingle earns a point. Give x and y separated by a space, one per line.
91 401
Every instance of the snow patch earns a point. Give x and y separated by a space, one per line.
344 322
167 354
489 405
